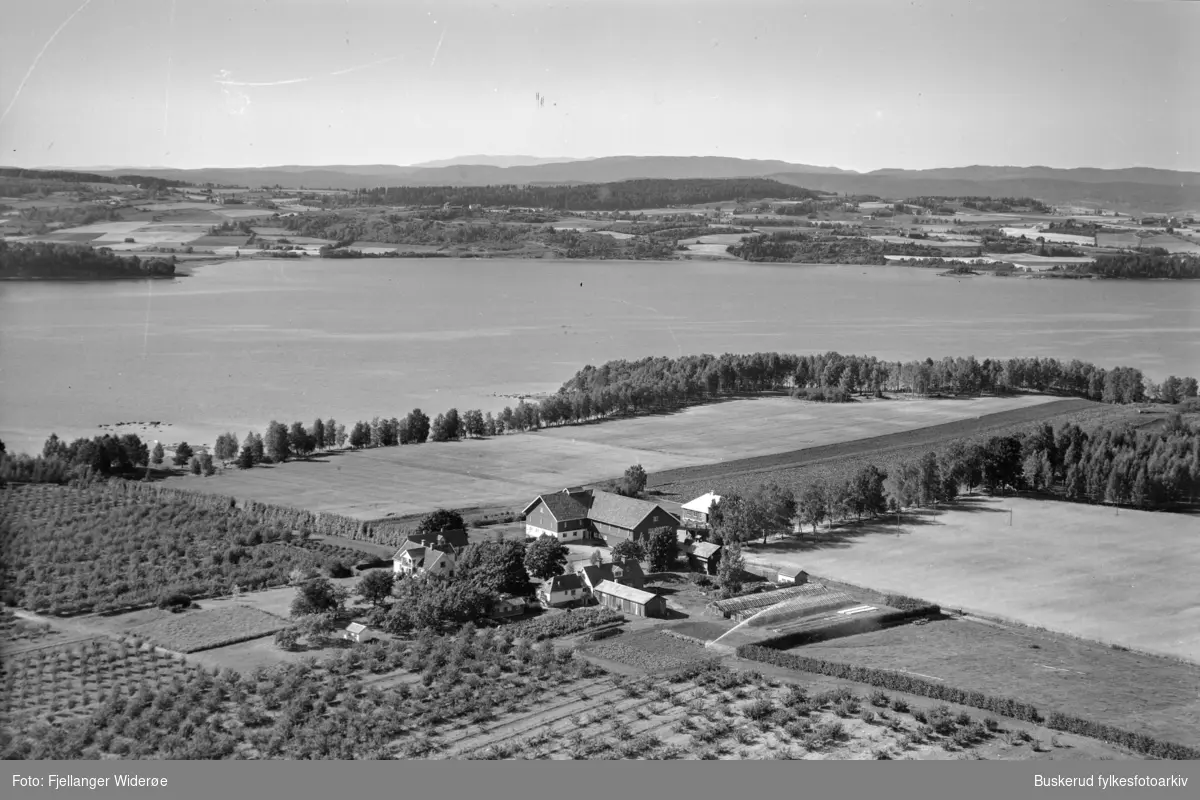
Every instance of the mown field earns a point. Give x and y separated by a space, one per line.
508 471
838 459
1144 694
1127 578
192 631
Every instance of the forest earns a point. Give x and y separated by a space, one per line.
654 384
68 262
795 247
621 195
1144 265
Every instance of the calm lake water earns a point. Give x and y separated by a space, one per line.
238 344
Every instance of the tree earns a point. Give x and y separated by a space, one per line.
317 626
661 548
773 508
418 426
206 465
628 550
812 507
331 432
277 442
194 465
360 435
441 520
246 457
438 432
496 567
866 491
183 452
546 557
453 425
287 638
635 480
473 423
376 586
260 451
226 448
318 595
340 436
1001 463
317 432
299 440
730 569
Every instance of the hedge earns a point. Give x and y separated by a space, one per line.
1005 706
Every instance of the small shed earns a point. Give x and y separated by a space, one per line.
792 576
629 600
507 605
356 632
704 556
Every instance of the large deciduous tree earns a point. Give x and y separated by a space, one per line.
376 586
661 549
441 520
628 550
731 568
495 567
546 557
183 453
276 441
318 595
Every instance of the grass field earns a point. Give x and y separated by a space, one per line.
192 631
838 460
1144 694
1128 579
508 471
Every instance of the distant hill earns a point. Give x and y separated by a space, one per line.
497 161
1137 189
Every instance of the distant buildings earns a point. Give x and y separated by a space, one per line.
694 513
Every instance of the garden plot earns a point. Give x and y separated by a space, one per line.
192 631
649 649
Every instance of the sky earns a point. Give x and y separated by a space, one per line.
857 84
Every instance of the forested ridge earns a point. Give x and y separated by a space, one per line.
1144 265
63 261
617 196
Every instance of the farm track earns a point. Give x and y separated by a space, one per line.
874 445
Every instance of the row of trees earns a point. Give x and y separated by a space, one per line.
1156 469
796 247
1145 265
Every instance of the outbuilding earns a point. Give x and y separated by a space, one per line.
792 576
629 600
357 632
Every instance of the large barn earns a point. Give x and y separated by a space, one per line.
579 513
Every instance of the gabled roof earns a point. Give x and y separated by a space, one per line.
625 592
406 547
355 627
704 549
563 583
625 512
455 539
593 575
628 569
564 505
703 503
792 572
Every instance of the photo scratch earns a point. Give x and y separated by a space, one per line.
38 58
437 49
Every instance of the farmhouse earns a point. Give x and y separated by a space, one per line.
791 576
694 513
414 559
630 600
564 590
577 513
357 632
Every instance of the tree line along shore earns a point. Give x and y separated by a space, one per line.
621 389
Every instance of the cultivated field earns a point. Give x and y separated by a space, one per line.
192 631
505 471
1144 694
752 427
508 471
1127 578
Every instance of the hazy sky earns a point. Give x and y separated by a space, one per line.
859 84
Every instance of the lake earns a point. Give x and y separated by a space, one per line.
238 344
